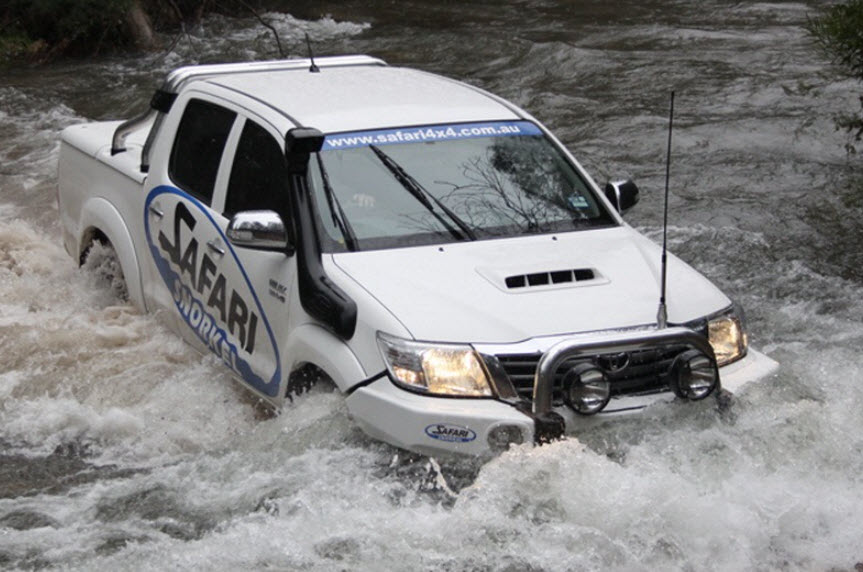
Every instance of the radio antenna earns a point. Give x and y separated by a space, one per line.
662 313
312 68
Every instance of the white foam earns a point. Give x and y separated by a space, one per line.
163 463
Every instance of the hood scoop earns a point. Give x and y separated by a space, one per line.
532 280
549 278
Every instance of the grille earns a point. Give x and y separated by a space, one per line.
646 373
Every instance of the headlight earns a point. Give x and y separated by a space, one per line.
441 369
727 336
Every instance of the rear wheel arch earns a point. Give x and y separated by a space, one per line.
103 223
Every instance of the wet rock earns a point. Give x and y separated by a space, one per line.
64 469
26 520
163 508
117 543
339 549
24 476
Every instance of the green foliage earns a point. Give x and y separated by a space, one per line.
838 31
68 25
43 29
13 45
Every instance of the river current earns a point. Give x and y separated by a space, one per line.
120 448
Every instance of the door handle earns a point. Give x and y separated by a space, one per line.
215 247
154 208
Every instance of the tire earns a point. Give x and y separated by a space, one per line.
304 378
100 259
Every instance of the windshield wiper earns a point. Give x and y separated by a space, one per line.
336 211
422 195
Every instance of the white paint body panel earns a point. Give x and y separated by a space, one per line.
369 97
453 293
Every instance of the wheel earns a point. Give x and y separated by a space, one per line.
101 259
304 378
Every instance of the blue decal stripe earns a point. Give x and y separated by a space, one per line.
169 276
429 133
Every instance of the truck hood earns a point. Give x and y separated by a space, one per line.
509 290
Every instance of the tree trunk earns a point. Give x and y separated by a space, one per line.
139 27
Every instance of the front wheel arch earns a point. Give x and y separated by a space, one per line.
304 377
315 344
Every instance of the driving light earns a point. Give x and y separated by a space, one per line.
727 337
586 389
693 375
440 369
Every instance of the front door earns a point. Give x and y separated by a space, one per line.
209 285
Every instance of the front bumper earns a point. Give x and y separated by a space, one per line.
433 425
440 425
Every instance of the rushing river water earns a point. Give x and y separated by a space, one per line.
120 448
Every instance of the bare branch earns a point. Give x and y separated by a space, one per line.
182 20
266 25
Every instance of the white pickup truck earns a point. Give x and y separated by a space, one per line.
429 247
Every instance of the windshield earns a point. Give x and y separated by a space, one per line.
430 185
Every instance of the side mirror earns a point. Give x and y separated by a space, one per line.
622 194
260 230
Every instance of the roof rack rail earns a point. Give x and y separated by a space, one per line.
165 95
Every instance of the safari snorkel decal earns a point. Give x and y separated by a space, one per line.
450 433
220 307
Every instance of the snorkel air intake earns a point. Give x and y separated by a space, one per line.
320 297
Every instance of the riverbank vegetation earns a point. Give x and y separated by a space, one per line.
41 30
838 31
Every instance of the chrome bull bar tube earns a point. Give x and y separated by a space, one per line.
551 360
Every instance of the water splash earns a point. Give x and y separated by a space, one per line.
121 448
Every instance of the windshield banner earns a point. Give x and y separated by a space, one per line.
429 133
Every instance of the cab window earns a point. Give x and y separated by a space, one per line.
259 174
198 147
